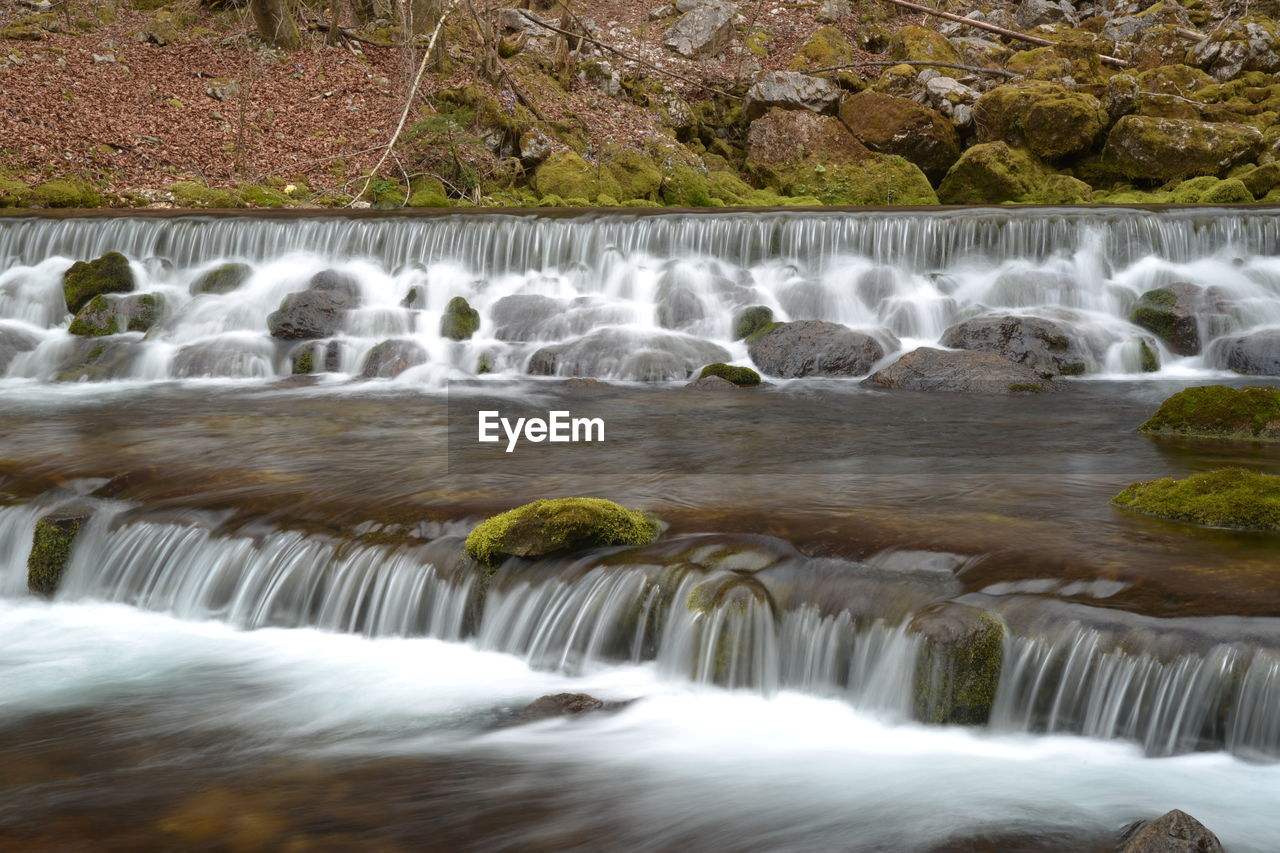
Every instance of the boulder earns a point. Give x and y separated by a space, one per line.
1219 411
677 305
832 11
1170 312
1164 148
928 369
900 126
781 140
391 358
1247 44
790 90
921 44
1033 13
952 98
460 321
731 373
751 320
1041 345
558 526
51 549
92 360
1256 354
223 278
711 383
993 173
958 665
309 314
1172 832
12 342
565 705
1048 119
627 354
814 348
111 315
87 279
332 281
704 30
234 356
1230 498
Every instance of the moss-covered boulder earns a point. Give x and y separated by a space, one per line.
1160 148
87 279
636 174
111 315
958 665
389 359
992 173
309 314
96 360
781 140
881 179
1230 191
51 550
893 125
749 321
1170 313
65 192
567 175
731 373
1261 180
1219 411
1229 497
223 278
1048 119
685 186
921 44
460 321
558 526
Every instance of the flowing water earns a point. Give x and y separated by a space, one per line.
267 635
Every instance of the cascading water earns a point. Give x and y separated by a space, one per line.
627 297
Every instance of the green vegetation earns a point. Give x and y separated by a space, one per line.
748 321
303 361
736 375
1229 497
557 526
221 279
1219 411
1150 358
85 280
958 667
460 321
50 551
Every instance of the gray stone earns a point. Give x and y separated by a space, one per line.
626 354
309 314
704 30
832 11
814 348
1172 832
12 342
1042 345
711 383
391 358
791 90
1256 354
928 369
1033 13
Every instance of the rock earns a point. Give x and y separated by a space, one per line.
1033 13
1172 832
992 173
521 20
1230 498
93 360
900 126
750 320
309 314
110 315
532 317
927 369
790 90
782 139
14 341
85 280
223 278
833 11
952 98
534 148
602 76
958 666
558 526
1161 148
389 359
332 281
711 383
51 544
1219 411
1039 344
731 373
460 321
921 44
566 175
677 305
1256 354
1048 119
235 357
704 30
626 354
814 348
564 705
1170 313
223 89
1248 44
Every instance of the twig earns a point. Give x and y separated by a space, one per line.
992 28
998 72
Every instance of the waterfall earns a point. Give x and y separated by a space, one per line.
616 289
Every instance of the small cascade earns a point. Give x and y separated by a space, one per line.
17 526
628 297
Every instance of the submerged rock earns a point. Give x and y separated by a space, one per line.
565 705
460 321
1041 345
1172 832
1229 497
51 549
309 314
12 342
558 526
87 279
625 354
958 668
1257 354
93 360
711 383
391 358
1219 411
221 279
928 369
814 348
231 357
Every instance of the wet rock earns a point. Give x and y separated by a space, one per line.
1170 313
751 320
460 321
814 348
1172 832
12 342
678 306
958 667
627 354
1042 345
558 526
87 279
51 544
704 30
1048 119
731 373
1164 148
92 360
332 281
221 279
892 125
1256 354
309 314
415 298
389 359
711 383
565 705
790 90
111 315
231 357
927 369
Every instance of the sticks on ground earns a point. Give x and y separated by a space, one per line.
974 68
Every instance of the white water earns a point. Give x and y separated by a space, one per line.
610 282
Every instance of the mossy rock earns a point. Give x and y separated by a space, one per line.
730 373
1261 180
921 44
1048 119
1228 497
993 173
1150 359
110 315
557 526
637 175
302 361
87 279
223 278
1231 191
1219 411
749 321
428 198
196 194
958 667
1170 314
893 125
65 193
566 175
1161 149
55 534
686 187
460 321
1192 190
880 179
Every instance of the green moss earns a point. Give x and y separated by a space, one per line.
196 194
1048 119
825 48
426 198
566 175
880 179
686 187
636 175
558 526
993 173
1025 388
1192 190
1229 497
96 319
736 375
484 364
1150 358
958 668
252 195
750 320
460 321
223 278
1231 191
1219 411
761 331
65 193
85 280
303 361
50 551
921 44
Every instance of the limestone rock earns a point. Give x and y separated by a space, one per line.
790 90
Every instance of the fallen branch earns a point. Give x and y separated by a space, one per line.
992 28
974 68
346 33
